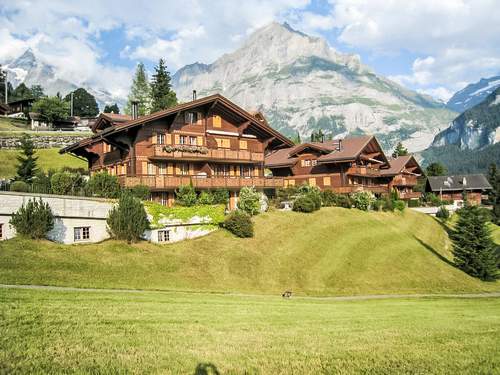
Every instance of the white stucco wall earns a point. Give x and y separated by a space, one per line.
178 233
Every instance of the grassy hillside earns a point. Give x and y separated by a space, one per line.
12 124
47 158
53 332
334 251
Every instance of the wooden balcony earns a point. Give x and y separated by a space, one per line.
173 182
363 171
404 180
410 195
210 154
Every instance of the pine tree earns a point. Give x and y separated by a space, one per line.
494 194
435 169
162 95
27 161
140 91
400 150
473 248
128 220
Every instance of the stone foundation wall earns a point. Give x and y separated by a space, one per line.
43 141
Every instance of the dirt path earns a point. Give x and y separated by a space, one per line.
334 298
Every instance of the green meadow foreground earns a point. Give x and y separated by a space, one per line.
333 251
180 333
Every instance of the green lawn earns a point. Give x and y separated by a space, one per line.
12 124
47 158
180 333
333 251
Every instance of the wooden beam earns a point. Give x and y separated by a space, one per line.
243 127
267 141
113 143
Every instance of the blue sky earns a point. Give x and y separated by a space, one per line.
433 47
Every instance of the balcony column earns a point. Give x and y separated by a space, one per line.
170 199
233 200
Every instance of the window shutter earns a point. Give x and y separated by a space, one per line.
217 121
177 169
226 143
291 182
176 139
231 170
302 163
327 181
199 140
144 167
238 170
312 181
153 138
168 139
256 172
243 145
170 168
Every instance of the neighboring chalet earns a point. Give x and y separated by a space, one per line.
21 106
345 166
452 188
106 120
209 142
405 172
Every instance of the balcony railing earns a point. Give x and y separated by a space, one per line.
405 181
170 182
363 171
410 195
209 154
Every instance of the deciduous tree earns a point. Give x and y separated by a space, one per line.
84 103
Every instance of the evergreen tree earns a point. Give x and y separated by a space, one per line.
435 169
22 92
473 248
113 108
128 220
37 92
33 220
84 103
400 150
140 91
27 161
494 194
162 94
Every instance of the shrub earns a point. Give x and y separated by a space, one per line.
399 205
443 213
344 201
103 185
186 196
304 203
141 191
329 198
388 204
206 197
128 220
66 183
315 196
414 203
33 220
378 204
239 223
362 200
41 183
286 194
432 199
249 200
19 186
220 196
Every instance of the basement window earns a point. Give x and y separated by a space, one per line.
81 233
163 236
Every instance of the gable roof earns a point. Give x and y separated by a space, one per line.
398 165
335 151
214 100
109 118
456 182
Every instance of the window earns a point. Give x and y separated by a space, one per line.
222 170
223 142
217 121
81 233
307 163
163 168
191 117
243 145
160 138
193 141
246 171
314 162
163 235
184 169
151 168
183 139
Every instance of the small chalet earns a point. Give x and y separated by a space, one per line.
209 142
343 165
405 172
452 188
21 106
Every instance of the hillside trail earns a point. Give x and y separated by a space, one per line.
301 297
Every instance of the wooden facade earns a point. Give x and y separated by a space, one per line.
346 166
210 142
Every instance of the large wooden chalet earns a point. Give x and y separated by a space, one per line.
209 142
345 166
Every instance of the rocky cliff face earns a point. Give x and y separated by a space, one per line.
302 84
476 128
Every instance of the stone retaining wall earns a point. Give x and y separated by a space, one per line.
42 141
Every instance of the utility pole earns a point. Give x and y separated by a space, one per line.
71 104
6 85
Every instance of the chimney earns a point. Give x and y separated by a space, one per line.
194 95
135 110
339 147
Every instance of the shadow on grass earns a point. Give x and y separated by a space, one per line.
446 228
206 369
434 252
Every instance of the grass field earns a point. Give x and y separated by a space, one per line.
11 124
180 333
334 251
47 158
